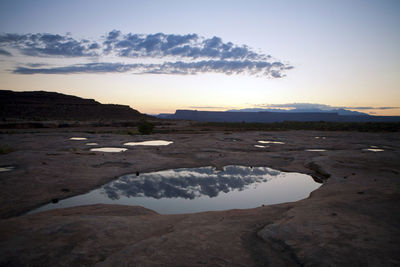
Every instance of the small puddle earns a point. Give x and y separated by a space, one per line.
190 190
78 138
109 149
232 139
374 149
271 142
260 146
149 143
92 144
6 168
316 150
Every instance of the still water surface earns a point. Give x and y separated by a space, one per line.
109 149
149 143
271 142
189 190
6 168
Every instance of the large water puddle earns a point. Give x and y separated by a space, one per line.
149 143
109 149
198 189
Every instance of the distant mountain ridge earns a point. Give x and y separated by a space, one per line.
42 105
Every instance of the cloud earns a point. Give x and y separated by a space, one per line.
184 46
36 65
79 68
5 53
182 54
179 67
297 106
45 44
206 107
363 108
320 106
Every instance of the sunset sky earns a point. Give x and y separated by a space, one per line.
159 56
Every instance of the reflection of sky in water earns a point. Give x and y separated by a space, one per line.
149 143
91 144
316 150
6 168
199 189
78 138
109 149
374 149
260 146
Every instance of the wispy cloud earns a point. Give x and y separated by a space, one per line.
363 108
183 68
78 68
320 106
207 107
5 53
179 54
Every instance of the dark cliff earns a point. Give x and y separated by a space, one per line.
41 105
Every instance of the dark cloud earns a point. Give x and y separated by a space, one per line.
49 45
5 53
184 54
184 46
217 66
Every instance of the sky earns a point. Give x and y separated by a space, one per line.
159 56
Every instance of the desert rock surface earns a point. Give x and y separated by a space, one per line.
353 219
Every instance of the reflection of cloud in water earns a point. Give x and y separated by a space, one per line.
188 183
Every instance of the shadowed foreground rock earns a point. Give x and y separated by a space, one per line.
352 220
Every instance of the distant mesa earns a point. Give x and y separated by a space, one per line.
41 105
340 115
